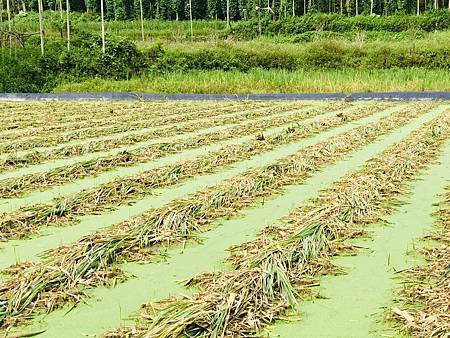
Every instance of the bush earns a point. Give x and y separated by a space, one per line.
27 71
326 54
430 21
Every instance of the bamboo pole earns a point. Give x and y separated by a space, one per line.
103 26
1 14
259 20
371 7
356 7
142 19
41 25
61 10
293 7
1 25
8 10
68 23
418 7
191 20
228 13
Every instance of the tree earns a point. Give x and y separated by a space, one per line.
215 10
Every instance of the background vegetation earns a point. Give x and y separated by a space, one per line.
378 53
239 9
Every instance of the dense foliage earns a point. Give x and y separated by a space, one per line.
327 54
436 20
239 9
25 70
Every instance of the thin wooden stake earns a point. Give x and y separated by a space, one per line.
142 20
228 13
41 25
191 20
8 10
103 26
68 23
61 9
1 14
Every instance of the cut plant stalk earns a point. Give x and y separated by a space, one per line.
39 115
36 157
62 211
66 109
422 307
50 139
108 122
270 274
134 134
18 186
70 269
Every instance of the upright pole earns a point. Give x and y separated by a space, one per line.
1 13
142 19
341 7
68 23
228 13
8 10
61 9
103 26
418 7
293 7
356 7
371 7
41 25
259 21
191 20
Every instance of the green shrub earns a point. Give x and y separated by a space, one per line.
430 21
25 70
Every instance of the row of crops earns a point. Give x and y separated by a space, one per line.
224 218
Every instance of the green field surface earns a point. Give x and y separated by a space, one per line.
223 218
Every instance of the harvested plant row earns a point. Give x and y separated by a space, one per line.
15 161
14 187
33 115
271 273
123 119
55 139
62 211
65 272
424 301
